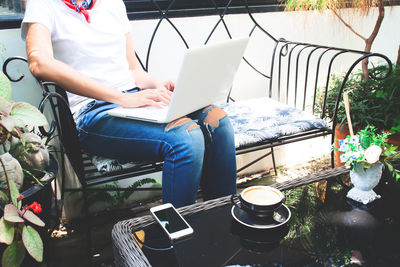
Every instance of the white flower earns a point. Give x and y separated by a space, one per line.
354 140
343 157
343 142
355 155
372 154
343 148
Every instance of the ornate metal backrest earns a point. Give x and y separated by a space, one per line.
293 71
66 128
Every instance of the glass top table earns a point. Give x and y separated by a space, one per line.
325 229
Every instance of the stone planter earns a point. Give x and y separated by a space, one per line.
364 180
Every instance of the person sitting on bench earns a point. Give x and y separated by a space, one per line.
85 46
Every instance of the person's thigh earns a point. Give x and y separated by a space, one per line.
180 144
127 139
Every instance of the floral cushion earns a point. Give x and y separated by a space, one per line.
261 119
253 120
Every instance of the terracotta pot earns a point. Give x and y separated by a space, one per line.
338 136
394 139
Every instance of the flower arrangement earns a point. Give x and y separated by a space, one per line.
368 147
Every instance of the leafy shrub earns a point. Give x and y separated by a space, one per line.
372 102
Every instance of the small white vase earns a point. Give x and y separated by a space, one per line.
364 180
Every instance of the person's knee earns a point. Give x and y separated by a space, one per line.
190 125
186 137
214 115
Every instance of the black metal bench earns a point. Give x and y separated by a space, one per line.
294 73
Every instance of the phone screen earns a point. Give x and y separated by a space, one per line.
170 220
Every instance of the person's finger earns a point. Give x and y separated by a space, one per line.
164 100
155 104
170 85
158 96
164 90
164 95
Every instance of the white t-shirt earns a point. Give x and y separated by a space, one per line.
96 49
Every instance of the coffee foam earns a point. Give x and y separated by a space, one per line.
261 196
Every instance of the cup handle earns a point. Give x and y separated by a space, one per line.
236 201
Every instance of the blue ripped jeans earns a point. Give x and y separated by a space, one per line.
197 150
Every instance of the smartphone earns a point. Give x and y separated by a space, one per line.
171 221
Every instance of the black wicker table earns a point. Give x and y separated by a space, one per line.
323 231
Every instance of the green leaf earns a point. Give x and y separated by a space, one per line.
6 231
14 194
381 94
139 183
5 107
13 255
33 243
31 175
19 227
7 122
32 218
26 114
11 214
100 196
4 197
390 167
5 87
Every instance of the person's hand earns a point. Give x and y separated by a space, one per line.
169 85
147 97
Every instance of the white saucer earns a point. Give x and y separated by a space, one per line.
280 217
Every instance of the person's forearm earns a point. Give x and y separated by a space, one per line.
73 81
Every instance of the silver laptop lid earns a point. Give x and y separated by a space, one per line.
206 76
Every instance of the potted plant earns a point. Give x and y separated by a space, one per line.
365 154
16 229
373 102
17 119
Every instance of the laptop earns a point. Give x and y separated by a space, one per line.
205 77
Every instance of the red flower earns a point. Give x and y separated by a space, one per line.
35 207
20 197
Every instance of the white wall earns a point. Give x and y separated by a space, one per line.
312 27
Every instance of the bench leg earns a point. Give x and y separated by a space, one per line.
88 228
273 160
260 158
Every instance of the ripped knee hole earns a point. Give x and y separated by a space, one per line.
180 121
213 116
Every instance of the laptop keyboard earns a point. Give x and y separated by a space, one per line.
154 112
